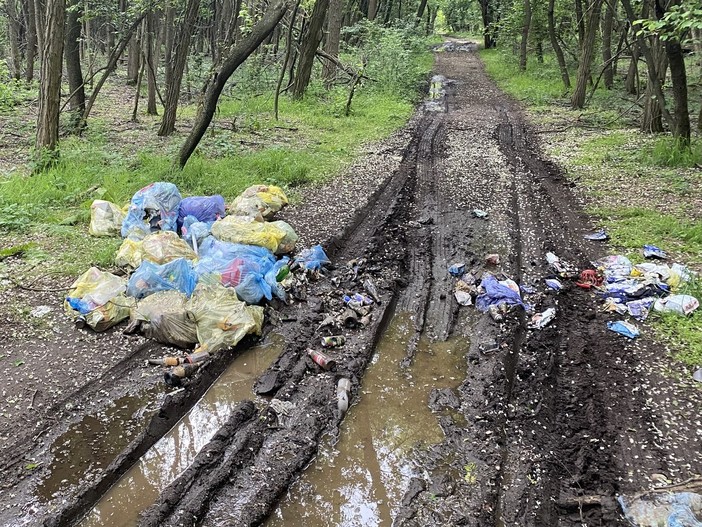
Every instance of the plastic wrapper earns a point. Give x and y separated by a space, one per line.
259 201
287 244
150 278
313 258
235 229
222 320
205 208
496 293
166 246
164 318
680 304
99 298
105 218
669 509
194 232
130 254
614 267
624 328
153 208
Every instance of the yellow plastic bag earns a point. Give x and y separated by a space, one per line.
287 244
236 229
130 254
259 201
165 246
164 318
105 218
222 320
99 298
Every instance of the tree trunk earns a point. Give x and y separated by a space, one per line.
39 26
13 34
678 76
331 46
580 20
488 15
586 53
50 86
607 23
73 69
651 121
31 40
556 46
420 12
372 9
309 48
185 31
216 82
151 108
632 85
525 36
288 51
133 60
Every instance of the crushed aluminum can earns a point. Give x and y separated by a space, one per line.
333 341
495 313
478 213
322 359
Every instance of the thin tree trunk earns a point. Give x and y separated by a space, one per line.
31 40
678 76
39 26
632 85
133 60
73 68
556 46
13 34
372 9
151 108
607 23
331 46
651 117
420 12
216 82
525 36
487 13
586 54
309 47
580 22
288 50
50 87
185 31
140 77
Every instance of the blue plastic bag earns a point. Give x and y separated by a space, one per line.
253 288
312 258
496 294
150 278
624 328
192 228
674 509
204 208
651 251
153 208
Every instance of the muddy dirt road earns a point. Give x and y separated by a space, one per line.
513 427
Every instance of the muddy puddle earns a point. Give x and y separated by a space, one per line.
92 443
142 484
360 481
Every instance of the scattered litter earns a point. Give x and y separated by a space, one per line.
40 311
496 293
312 259
463 298
554 284
614 266
674 509
560 267
590 278
465 291
639 309
492 259
697 375
333 341
614 305
97 299
153 208
480 213
600 235
680 304
369 286
259 201
457 269
105 218
323 360
175 376
651 251
343 386
541 320
527 289
496 313
282 409
624 328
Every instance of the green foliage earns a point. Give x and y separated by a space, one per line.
460 16
11 90
671 152
677 23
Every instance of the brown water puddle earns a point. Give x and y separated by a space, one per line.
361 480
173 453
92 443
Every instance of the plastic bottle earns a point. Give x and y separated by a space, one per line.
323 360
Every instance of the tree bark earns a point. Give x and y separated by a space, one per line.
556 46
151 108
39 26
487 13
309 47
73 68
215 84
372 9
420 12
651 117
331 46
607 23
632 85
133 60
525 36
50 86
288 51
586 53
31 41
185 31
13 34
580 20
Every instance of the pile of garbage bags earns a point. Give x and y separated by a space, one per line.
196 268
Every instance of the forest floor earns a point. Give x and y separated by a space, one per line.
542 427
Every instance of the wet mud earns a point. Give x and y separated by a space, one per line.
455 419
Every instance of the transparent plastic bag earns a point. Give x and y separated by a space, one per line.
105 218
287 244
313 258
166 246
99 298
130 254
150 278
222 319
236 229
164 318
259 201
153 208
